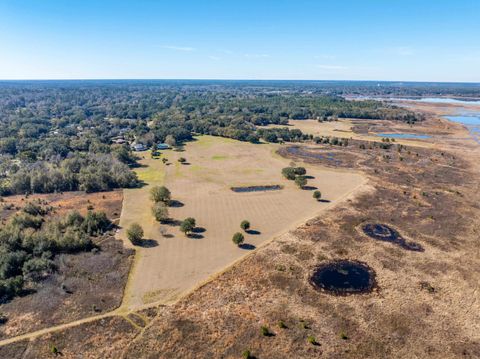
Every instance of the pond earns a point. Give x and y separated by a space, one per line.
403 135
382 232
256 188
343 277
302 152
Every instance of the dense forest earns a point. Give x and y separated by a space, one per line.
76 135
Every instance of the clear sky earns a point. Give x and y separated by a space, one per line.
421 40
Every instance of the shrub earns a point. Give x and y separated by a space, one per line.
95 223
247 354
72 240
23 221
289 173
238 238
311 339
343 335
74 218
182 160
265 331
301 181
37 268
34 209
282 325
245 225
300 171
187 225
54 350
160 194
317 195
135 233
160 212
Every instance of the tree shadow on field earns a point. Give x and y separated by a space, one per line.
253 232
199 230
195 236
140 184
247 246
173 222
309 177
324 200
309 188
148 243
175 203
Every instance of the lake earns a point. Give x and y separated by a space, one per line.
472 123
403 135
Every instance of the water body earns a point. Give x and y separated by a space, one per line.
256 188
343 277
440 100
403 135
328 156
447 100
471 122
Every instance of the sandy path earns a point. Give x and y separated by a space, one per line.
177 264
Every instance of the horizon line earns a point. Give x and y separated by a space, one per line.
233 79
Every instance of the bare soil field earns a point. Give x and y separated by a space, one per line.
174 264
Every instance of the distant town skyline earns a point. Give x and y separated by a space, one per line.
375 40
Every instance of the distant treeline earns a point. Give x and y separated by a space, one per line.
57 136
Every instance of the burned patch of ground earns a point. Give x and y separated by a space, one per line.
85 284
428 195
382 232
343 277
62 203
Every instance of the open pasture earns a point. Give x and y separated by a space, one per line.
172 263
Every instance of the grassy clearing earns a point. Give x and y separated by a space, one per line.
151 174
206 141
177 263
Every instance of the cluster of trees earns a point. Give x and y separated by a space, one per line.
81 171
30 241
331 141
44 124
297 174
161 197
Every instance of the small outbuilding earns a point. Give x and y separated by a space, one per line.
139 147
163 146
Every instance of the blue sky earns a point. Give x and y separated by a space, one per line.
423 40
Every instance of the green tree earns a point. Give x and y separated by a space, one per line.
300 171
160 212
317 195
245 225
238 238
289 173
301 181
135 233
160 194
187 225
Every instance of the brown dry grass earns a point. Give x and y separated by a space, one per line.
426 305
